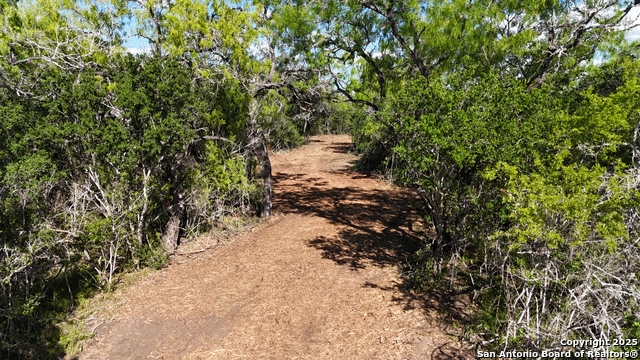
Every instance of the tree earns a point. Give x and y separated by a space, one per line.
449 133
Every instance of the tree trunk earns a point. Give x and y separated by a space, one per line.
259 145
267 181
436 213
172 232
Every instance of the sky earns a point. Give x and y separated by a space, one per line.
634 34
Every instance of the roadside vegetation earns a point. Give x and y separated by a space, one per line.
517 124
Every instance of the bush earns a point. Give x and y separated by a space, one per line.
533 196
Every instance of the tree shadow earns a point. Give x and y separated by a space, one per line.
376 227
40 343
41 336
341 147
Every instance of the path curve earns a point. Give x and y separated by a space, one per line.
317 281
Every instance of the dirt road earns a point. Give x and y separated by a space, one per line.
318 281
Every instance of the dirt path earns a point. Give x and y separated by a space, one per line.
318 281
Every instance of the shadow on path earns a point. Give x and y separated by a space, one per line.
376 227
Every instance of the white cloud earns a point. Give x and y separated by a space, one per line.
137 51
633 35
634 19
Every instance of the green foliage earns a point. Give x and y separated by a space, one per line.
89 168
450 133
524 158
533 197
222 187
100 150
568 255
285 134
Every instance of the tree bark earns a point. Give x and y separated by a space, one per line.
436 212
266 180
258 143
172 231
